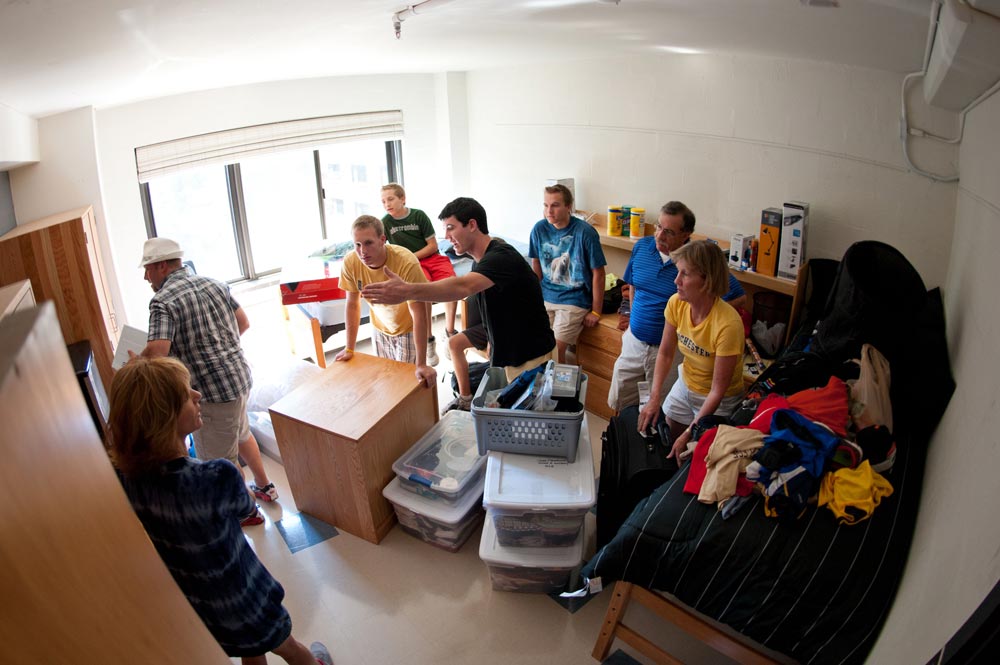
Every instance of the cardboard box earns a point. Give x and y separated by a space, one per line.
739 251
770 241
794 225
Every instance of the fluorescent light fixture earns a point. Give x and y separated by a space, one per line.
681 50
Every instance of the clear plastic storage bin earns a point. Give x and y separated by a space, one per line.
445 463
552 433
442 525
529 570
539 501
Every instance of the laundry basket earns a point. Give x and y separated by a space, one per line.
550 433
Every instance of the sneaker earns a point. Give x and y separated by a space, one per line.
267 493
321 653
458 404
254 519
432 356
448 334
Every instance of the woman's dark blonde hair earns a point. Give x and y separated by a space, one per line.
147 395
708 259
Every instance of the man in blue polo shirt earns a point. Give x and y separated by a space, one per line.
650 273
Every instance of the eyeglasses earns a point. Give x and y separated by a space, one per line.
670 233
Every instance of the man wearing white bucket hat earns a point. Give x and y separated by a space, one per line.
197 320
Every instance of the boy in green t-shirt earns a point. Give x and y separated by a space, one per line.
412 229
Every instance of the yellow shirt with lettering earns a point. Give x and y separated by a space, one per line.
720 334
391 319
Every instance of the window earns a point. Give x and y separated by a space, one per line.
267 211
192 207
282 213
359 195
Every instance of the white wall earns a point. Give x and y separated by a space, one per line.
120 130
727 135
65 177
18 138
954 561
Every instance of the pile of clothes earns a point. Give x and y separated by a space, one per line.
799 445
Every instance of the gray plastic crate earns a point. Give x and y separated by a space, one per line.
549 433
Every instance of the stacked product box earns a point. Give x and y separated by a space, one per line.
535 507
438 486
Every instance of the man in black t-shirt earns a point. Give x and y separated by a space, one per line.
511 302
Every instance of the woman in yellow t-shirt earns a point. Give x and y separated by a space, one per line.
709 333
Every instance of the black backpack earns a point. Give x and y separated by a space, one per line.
476 373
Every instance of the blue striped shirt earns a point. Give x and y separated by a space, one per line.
652 280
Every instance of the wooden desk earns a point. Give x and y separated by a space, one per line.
339 434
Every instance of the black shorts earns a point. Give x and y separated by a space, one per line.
477 335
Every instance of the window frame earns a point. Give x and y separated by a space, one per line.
237 207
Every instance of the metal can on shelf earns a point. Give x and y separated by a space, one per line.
626 220
614 221
637 221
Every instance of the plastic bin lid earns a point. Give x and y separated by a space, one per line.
446 458
435 510
491 551
534 482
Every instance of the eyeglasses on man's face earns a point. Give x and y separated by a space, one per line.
667 231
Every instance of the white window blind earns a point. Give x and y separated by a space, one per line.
232 145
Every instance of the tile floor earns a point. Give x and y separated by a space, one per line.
404 600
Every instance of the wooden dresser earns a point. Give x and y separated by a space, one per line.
61 257
339 434
597 349
16 297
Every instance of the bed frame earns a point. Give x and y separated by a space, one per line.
704 630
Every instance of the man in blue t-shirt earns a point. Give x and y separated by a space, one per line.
650 274
567 258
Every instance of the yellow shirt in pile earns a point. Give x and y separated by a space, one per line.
391 319
720 334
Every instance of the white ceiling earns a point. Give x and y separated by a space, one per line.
62 54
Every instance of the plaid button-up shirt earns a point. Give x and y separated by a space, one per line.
197 315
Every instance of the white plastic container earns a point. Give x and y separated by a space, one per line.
445 463
537 501
435 522
529 569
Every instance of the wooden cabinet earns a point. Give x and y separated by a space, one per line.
596 351
16 297
60 256
82 581
339 434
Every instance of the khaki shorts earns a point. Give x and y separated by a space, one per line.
513 372
566 321
224 426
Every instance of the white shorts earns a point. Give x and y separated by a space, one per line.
566 321
682 405
636 363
